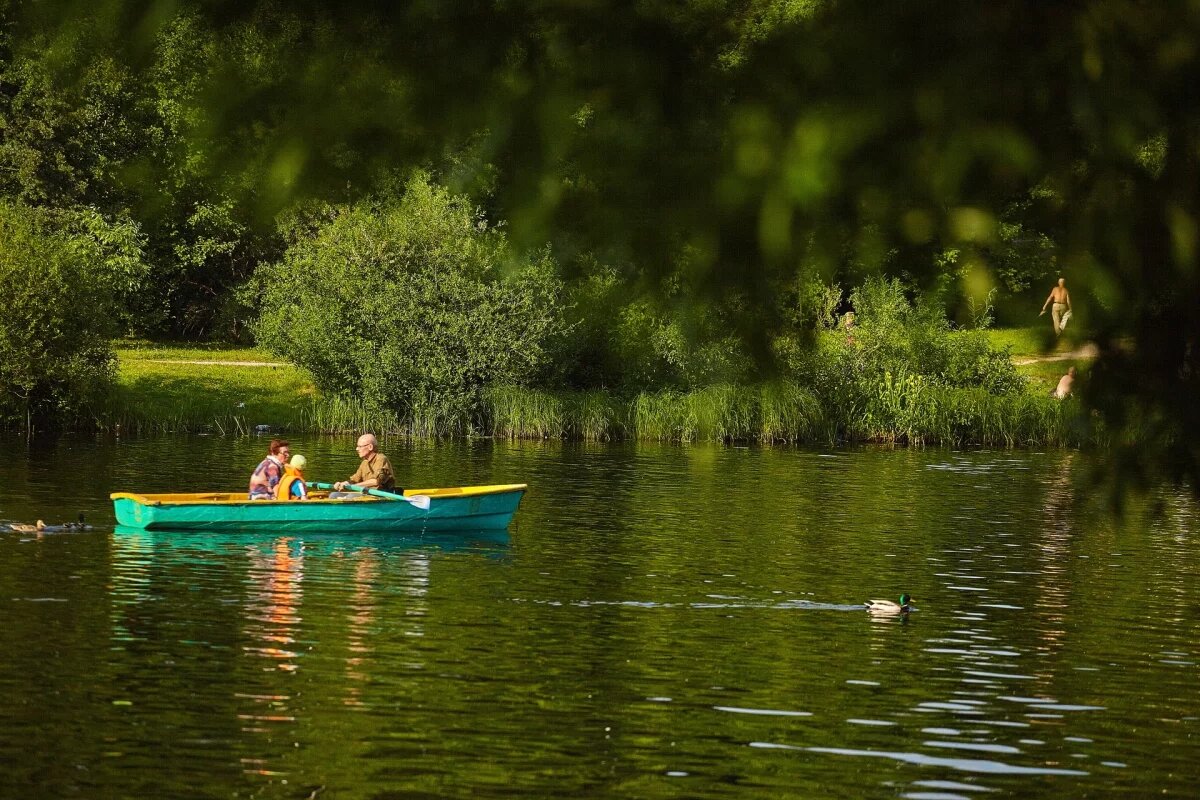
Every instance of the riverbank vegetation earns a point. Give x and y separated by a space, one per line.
166 395
163 389
899 374
63 275
664 239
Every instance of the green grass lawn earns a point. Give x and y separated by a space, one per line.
1044 375
155 396
129 350
1025 342
1031 342
1038 342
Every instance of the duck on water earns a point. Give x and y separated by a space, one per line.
42 527
889 608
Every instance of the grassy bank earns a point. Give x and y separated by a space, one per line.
164 389
1038 355
159 389
901 412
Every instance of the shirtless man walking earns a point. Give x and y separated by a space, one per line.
1061 299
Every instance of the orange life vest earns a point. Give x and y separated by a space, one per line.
283 490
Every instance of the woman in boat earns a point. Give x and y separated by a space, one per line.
291 485
268 472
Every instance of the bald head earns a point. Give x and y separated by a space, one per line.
367 444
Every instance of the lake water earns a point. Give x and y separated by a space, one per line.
659 621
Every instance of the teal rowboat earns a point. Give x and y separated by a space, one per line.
461 508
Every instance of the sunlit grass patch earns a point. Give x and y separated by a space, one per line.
1035 341
1038 355
1024 342
1044 375
139 350
159 397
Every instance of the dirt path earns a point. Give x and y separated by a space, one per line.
1089 350
214 363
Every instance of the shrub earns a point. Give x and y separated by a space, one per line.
410 305
902 374
894 335
61 275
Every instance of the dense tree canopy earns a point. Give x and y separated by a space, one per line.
743 142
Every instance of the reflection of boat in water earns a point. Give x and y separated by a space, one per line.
446 541
450 509
286 612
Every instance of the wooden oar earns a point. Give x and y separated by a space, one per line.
419 500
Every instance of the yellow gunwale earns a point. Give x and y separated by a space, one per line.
239 498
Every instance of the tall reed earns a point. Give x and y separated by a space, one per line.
519 413
342 415
513 412
779 412
791 413
841 398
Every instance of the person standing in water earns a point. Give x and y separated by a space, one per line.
1060 298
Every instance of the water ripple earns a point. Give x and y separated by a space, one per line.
960 764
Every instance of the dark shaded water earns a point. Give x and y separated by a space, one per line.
658 622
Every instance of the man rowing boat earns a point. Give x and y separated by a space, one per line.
375 471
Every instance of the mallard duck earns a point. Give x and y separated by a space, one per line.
80 525
888 607
24 527
66 526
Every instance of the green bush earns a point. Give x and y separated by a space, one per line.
410 305
61 276
894 335
902 374
633 343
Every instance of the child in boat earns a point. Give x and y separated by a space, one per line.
291 485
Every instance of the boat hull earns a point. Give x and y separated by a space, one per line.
461 508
